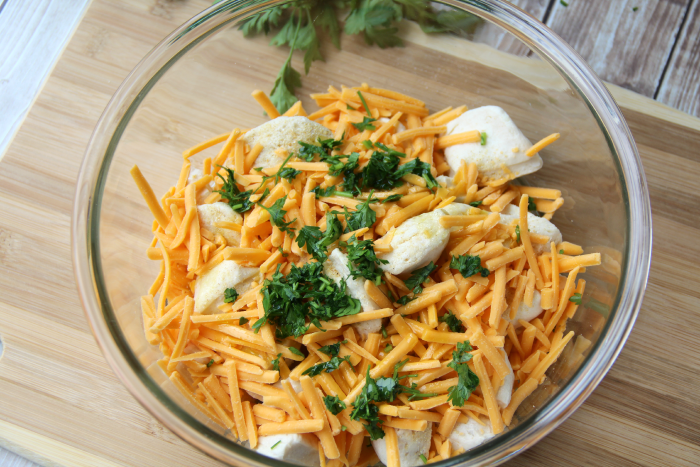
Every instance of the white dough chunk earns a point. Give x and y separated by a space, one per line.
411 445
449 183
417 242
210 214
536 224
336 267
399 126
196 174
503 155
470 435
283 132
300 449
506 390
209 289
528 313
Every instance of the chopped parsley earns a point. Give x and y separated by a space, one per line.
276 363
452 321
388 348
405 299
384 334
365 124
383 389
483 138
383 171
230 295
392 198
303 294
561 252
468 265
564 3
329 367
531 206
343 428
324 148
334 404
238 200
418 277
363 261
296 351
317 242
364 104
242 321
364 216
475 204
422 457
277 216
275 445
517 233
467 381
289 173
635 8
575 298
368 144
332 350
210 363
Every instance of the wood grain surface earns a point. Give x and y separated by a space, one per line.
61 404
681 84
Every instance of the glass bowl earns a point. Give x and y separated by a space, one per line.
196 84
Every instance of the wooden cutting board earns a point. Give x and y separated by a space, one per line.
60 404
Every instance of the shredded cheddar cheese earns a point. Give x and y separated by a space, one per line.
233 363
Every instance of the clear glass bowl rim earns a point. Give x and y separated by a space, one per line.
551 48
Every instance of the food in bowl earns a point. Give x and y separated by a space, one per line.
367 270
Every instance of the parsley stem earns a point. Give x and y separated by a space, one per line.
364 104
344 194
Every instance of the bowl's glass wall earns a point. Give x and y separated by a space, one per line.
206 92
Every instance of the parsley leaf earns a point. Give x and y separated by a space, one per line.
483 138
368 144
303 294
418 277
468 265
576 298
329 367
517 234
275 445
531 206
383 389
242 321
230 295
296 351
467 381
237 199
475 204
365 124
383 171
277 216
388 348
276 363
332 350
210 363
363 261
316 241
334 404
452 321
422 457
289 173
364 216
392 198
288 79
405 299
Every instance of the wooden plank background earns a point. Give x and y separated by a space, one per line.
644 413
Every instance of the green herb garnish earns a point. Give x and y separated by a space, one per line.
517 234
334 404
303 294
332 350
467 381
363 261
392 198
418 277
210 363
329 367
422 457
317 242
575 298
453 323
276 363
238 200
277 216
388 348
468 265
483 138
230 295
475 204
296 351
275 445
242 321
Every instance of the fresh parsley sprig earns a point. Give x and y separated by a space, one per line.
334 404
453 322
468 265
301 25
237 199
363 261
317 242
467 380
418 277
